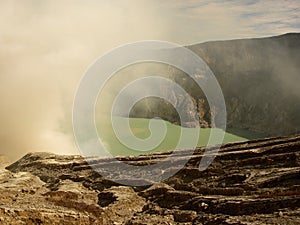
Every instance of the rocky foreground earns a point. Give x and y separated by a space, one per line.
255 182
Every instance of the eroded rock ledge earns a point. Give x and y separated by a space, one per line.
254 182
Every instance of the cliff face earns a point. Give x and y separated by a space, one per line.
255 182
259 79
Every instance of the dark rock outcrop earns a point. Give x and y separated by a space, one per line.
254 182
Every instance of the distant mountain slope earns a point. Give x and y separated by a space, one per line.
259 79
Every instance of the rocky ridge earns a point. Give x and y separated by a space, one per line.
259 79
254 182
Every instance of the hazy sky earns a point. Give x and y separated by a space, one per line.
185 22
45 47
202 20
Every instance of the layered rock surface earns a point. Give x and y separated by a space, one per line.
255 182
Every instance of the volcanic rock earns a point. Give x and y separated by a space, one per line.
254 182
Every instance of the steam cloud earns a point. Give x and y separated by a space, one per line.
45 47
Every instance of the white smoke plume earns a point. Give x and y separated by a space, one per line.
45 47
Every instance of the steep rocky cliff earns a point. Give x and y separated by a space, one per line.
259 79
255 182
